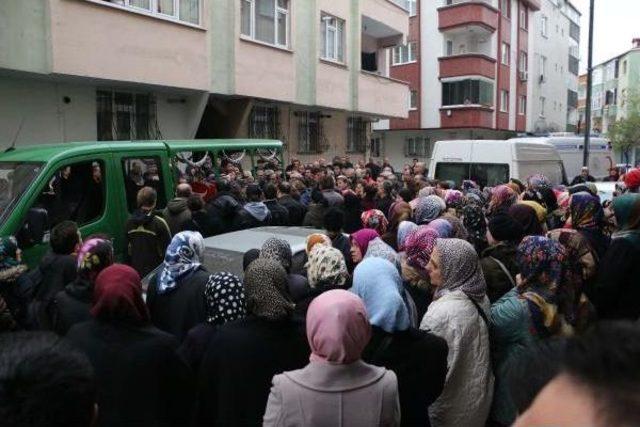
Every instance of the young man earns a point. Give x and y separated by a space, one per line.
333 223
254 213
177 212
146 234
294 207
279 214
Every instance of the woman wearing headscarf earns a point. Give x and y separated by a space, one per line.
419 248
279 250
459 314
443 227
428 208
587 217
336 388
459 232
12 283
352 212
531 311
141 380
316 239
360 243
399 212
176 294
617 294
375 220
243 356
502 198
417 357
526 216
476 225
73 303
404 231
224 302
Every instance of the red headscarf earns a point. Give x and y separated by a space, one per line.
632 179
117 296
363 237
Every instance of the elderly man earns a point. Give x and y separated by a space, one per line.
583 178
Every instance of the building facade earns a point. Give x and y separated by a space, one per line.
311 73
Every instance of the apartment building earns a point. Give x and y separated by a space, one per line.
613 81
554 69
311 73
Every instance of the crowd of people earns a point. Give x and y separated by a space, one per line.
420 303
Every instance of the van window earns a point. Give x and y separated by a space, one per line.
197 169
483 174
15 177
142 172
75 192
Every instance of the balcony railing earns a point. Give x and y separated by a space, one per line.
476 64
467 13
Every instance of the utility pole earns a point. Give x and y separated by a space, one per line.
587 119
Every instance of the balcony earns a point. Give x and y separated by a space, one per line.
376 37
468 50
387 13
467 64
465 13
382 96
466 116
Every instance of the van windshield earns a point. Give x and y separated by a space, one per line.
484 174
15 178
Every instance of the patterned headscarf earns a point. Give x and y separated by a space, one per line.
326 267
426 192
442 227
8 252
379 249
475 197
460 269
453 199
428 209
265 287
459 232
316 239
502 198
475 223
224 298
94 256
183 257
375 220
535 182
399 212
541 212
278 250
379 284
526 216
586 211
404 230
419 247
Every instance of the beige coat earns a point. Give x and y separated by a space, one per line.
329 395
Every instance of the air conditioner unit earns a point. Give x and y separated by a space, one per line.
524 76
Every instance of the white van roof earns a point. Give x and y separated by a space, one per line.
495 151
574 142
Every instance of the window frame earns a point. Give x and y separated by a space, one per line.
339 38
505 54
543 102
153 10
544 26
277 10
522 105
355 126
524 17
413 100
152 115
313 144
504 105
411 49
505 6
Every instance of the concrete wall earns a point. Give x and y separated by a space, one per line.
24 30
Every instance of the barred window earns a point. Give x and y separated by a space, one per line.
123 116
376 146
356 135
264 122
309 132
416 147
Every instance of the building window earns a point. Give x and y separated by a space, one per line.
544 26
524 61
376 146
467 92
624 67
266 21
413 100
404 54
505 53
125 116
413 7
309 132
524 17
505 8
264 122
522 105
543 101
543 69
416 147
449 47
332 38
356 135
504 101
179 10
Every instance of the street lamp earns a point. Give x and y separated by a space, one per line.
587 132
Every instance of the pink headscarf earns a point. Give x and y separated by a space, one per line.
363 237
338 328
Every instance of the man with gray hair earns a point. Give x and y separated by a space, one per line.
177 212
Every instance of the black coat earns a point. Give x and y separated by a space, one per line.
180 309
419 360
141 380
241 360
146 239
224 207
295 209
72 306
204 223
498 283
195 344
245 220
279 214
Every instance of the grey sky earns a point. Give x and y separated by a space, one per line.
616 24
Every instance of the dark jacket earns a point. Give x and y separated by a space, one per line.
616 294
419 360
343 244
279 214
421 298
204 223
180 309
236 371
195 344
333 198
141 380
315 216
224 207
146 239
252 215
295 209
498 282
176 213
72 305
384 204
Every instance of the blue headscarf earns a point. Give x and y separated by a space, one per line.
183 257
377 282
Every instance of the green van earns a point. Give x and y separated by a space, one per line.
95 183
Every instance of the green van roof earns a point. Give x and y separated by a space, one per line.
47 152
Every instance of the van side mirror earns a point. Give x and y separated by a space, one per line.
34 228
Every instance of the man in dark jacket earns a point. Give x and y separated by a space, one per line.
255 213
224 206
327 186
177 211
333 223
201 221
146 234
294 207
279 214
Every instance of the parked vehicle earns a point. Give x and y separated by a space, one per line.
492 162
95 183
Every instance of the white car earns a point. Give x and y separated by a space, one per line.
606 191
